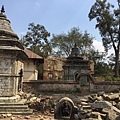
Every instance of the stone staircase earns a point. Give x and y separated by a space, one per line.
17 108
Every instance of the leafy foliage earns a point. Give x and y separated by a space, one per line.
108 24
63 43
36 39
103 69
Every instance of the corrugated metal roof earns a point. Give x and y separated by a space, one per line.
31 54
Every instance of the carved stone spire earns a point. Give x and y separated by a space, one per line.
75 51
5 27
2 10
75 45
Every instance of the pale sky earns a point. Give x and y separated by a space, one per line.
57 16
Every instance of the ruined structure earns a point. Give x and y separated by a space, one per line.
67 68
53 69
76 64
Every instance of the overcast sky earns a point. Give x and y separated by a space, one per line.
57 16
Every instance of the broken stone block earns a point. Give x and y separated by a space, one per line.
96 114
83 100
101 93
113 96
100 98
118 105
101 104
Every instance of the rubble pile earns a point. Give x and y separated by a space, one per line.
40 104
43 107
99 106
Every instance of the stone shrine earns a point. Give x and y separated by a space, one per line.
12 56
75 65
65 109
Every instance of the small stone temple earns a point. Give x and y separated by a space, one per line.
15 60
75 64
12 56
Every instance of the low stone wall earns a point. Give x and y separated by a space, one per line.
51 86
107 86
68 86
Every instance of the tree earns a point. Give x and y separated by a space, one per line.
63 43
108 24
36 39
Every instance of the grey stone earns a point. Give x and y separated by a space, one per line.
101 104
118 105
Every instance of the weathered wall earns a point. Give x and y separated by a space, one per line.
50 86
69 86
19 65
9 69
30 71
105 86
53 69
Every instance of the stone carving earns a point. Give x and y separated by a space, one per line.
65 109
20 80
5 65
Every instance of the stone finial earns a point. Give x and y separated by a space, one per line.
2 9
75 45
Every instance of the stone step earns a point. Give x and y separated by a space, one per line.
14 107
17 112
10 99
17 108
14 110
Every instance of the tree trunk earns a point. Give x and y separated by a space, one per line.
117 65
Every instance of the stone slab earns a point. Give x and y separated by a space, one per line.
9 99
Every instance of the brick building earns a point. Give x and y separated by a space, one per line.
52 69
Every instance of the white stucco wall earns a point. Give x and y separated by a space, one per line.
30 71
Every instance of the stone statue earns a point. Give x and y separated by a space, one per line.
20 80
65 109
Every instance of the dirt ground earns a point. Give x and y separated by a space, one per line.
35 116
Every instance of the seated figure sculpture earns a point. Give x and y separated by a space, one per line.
65 109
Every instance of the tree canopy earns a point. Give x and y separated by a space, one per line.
63 43
108 24
36 39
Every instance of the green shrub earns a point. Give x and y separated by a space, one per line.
111 78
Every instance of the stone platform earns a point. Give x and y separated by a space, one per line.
12 99
14 105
